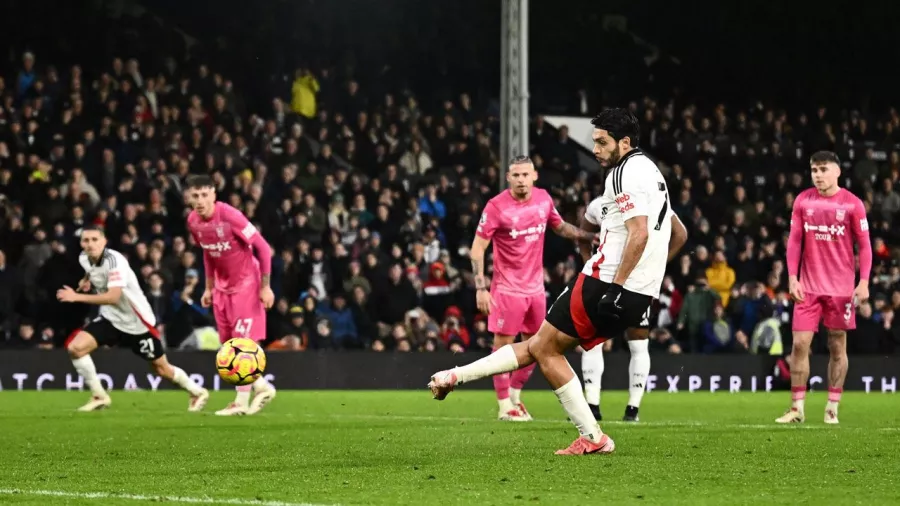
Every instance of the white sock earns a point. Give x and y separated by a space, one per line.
501 361
638 370
261 384
243 396
184 381
592 365
87 370
506 405
515 395
572 400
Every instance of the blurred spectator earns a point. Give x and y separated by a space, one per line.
720 276
697 310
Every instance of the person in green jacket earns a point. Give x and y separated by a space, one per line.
697 309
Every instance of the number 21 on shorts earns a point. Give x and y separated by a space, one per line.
242 327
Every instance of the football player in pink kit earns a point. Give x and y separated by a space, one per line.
825 223
237 284
516 221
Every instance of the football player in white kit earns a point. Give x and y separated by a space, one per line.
125 318
611 294
592 362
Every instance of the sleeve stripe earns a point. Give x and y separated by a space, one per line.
110 259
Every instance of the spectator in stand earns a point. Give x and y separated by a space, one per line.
721 277
697 310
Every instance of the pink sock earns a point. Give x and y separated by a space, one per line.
501 386
798 393
519 377
834 394
244 388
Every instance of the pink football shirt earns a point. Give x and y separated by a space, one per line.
517 230
227 252
824 229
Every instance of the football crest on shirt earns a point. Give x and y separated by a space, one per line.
220 232
542 214
839 214
809 212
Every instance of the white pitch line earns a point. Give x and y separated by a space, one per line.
154 498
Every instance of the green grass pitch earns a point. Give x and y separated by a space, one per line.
403 448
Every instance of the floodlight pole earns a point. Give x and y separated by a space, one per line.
513 84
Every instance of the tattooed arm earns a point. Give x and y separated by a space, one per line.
479 247
574 233
585 248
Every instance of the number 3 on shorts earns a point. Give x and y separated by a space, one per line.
146 347
242 327
848 311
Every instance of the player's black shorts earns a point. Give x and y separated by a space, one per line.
147 345
575 312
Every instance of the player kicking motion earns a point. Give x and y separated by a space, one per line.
125 318
237 284
516 220
825 222
592 363
612 293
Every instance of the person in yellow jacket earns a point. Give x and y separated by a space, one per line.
303 93
721 277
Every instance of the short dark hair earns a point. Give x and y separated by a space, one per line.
518 160
820 157
619 123
200 181
93 227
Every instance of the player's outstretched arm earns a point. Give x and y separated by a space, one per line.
860 226
678 238
794 247
110 298
569 231
476 255
586 248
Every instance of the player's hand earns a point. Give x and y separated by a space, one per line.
267 296
66 294
610 306
796 289
483 301
206 299
861 294
595 241
84 286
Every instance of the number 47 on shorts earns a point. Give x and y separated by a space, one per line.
242 327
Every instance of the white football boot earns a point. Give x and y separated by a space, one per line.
261 398
831 414
96 403
793 415
233 409
198 402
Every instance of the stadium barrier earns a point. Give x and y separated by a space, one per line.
119 369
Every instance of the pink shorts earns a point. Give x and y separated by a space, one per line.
511 314
836 312
240 314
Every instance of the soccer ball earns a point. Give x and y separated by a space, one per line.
240 361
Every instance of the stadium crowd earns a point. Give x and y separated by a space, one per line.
370 200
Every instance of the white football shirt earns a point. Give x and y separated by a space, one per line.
634 187
133 314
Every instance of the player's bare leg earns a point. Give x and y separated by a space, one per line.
199 395
517 381
546 348
80 347
638 370
799 377
592 366
508 411
837 373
